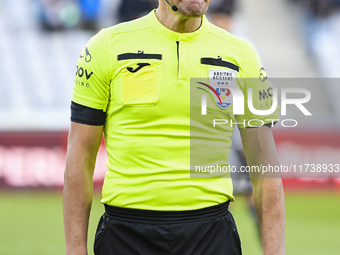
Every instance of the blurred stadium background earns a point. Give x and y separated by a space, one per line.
40 41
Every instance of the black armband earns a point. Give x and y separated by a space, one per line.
86 115
270 125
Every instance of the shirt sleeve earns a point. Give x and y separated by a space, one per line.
93 73
254 77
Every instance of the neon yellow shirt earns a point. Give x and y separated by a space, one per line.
139 74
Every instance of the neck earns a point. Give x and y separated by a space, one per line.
175 21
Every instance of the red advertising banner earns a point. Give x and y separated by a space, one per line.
37 159
310 150
32 159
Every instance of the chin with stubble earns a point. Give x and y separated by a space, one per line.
193 8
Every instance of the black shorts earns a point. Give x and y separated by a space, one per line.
207 231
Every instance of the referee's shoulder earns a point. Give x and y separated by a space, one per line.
227 36
129 26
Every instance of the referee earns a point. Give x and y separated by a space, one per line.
133 85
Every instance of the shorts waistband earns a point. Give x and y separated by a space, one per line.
151 215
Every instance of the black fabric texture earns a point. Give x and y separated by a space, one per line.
86 115
219 62
212 234
138 56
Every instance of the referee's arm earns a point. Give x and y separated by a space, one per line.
83 145
259 147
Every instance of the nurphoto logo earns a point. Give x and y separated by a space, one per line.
228 93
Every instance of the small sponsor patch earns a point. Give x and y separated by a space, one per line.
222 78
217 89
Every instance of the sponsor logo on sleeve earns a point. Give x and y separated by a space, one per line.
82 71
265 94
86 54
263 75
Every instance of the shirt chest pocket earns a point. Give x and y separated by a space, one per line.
217 64
139 80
